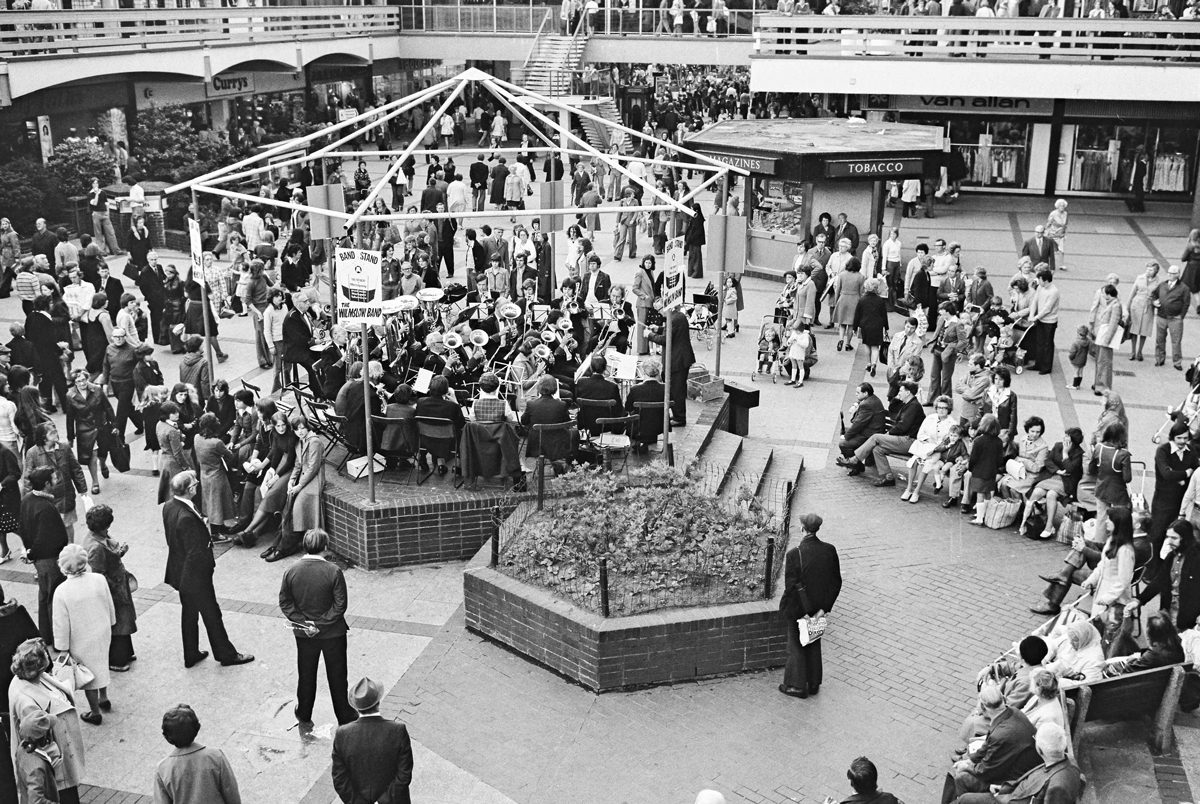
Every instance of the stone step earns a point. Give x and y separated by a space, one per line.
715 458
747 471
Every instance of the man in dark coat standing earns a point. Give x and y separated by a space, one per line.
190 566
297 340
372 757
313 598
812 581
44 536
1039 248
478 173
693 242
682 357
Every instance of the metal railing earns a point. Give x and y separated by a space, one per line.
1002 39
38 33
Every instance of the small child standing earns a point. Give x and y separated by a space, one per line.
1079 354
801 353
730 311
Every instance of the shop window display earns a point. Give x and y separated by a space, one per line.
778 206
1104 157
995 153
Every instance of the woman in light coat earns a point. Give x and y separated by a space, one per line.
1141 311
1105 325
174 458
303 509
932 433
34 689
645 288
1077 655
1056 230
84 615
105 558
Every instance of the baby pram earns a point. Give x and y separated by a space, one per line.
1008 349
770 349
702 317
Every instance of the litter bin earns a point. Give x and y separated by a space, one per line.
79 214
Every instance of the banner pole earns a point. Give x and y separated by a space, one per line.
198 265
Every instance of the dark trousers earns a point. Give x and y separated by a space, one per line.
446 255
53 380
803 670
308 654
120 650
48 579
123 391
290 375
288 540
197 603
941 375
960 783
1044 344
679 395
156 317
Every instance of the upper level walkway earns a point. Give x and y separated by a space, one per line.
1062 58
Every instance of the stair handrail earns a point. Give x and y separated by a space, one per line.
579 28
537 38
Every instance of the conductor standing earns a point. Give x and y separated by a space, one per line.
812 581
682 358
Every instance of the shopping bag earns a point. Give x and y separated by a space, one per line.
812 628
71 673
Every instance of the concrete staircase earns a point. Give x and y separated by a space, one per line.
550 64
601 137
727 465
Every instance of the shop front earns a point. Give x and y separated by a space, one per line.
238 105
1044 146
336 86
802 168
37 122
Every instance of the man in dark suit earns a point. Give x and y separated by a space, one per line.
649 426
896 441
478 173
431 196
867 418
1174 462
596 386
190 566
1039 248
1057 779
313 598
1007 752
372 757
694 240
812 582
297 338
40 330
543 410
682 357
44 536
847 230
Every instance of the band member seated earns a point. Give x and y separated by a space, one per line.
330 369
596 386
614 322
488 406
545 409
352 401
439 404
650 425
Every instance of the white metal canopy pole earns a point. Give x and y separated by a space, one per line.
254 199
395 166
297 142
328 150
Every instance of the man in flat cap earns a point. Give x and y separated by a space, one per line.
812 581
372 757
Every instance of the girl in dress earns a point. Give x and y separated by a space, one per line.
730 311
801 353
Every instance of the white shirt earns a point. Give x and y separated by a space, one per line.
590 296
79 297
891 251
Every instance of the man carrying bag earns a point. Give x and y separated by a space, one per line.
812 581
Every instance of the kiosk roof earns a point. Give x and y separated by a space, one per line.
825 135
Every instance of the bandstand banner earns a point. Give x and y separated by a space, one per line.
359 287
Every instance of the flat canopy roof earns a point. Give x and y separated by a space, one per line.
825 135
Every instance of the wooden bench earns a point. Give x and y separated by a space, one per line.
1131 697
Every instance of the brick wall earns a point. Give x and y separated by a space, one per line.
621 652
440 526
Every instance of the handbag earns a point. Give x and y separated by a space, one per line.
118 451
71 674
131 581
1015 469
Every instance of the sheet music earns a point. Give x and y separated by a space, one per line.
421 385
624 366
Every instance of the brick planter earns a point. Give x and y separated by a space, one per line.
398 530
617 653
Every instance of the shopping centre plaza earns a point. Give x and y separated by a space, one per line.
574 381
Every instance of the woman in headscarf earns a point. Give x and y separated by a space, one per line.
1078 655
34 689
83 619
105 556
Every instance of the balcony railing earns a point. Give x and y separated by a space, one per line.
1001 39
40 33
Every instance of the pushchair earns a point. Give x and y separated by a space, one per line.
1009 348
702 318
770 349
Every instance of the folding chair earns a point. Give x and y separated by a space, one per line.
553 443
650 419
612 443
435 436
396 440
592 409
254 389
